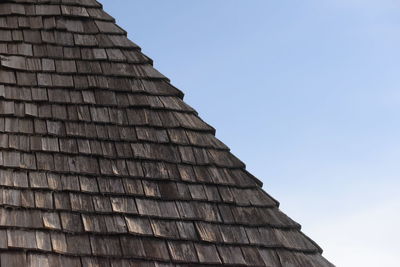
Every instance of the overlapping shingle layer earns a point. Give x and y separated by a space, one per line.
103 164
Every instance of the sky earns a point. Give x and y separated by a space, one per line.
306 93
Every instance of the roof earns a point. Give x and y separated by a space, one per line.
102 163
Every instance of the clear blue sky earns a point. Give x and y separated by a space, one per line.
306 93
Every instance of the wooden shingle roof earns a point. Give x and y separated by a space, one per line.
103 164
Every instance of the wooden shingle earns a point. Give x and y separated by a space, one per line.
105 246
13 259
182 252
21 239
207 254
140 226
132 247
43 241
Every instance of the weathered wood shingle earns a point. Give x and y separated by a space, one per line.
103 164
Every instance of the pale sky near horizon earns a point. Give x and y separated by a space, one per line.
306 93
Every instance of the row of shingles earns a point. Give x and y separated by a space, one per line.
141 133
87 83
199 156
74 64
63 242
102 114
113 192
107 204
116 187
304 260
144 130
174 190
43 29
139 85
109 246
125 246
108 151
83 82
81 77
17 259
45 151
39 98
114 99
159 171
11 160
13 139
111 224
139 248
34 12
80 115
18 195
192 252
83 67
81 9
108 83
82 112
95 98
189 143
61 113
136 187
83 3
91 113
